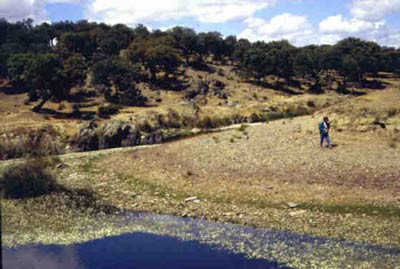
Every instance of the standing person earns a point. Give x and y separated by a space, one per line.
324 127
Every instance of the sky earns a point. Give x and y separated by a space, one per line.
302 22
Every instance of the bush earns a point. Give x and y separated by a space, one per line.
170 120
310 103
316 88
394 139
26 142
207 123
26 180
261 117
107 111
145 126
61 106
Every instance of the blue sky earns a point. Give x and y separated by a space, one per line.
300 21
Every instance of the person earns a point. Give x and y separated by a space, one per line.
324 127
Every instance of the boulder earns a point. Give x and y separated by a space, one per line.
153 138
86 138
217 84
114 134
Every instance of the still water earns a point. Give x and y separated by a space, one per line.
142 240
137 250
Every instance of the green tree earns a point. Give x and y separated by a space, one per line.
47 81
119 77
256 61
304 62
156 54
81 42
17 66
229 46
362 55
116 39
75 69
240 49
186 39
350 68
211 43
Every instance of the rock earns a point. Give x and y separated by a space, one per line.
232 103
112 134
292 205
195 130
61 166
153 138
297 213
191 199
86 138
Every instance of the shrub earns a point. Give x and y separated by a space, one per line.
207 123
316 88
145 126
393 112
394 139
190 120
30 143
242 128
28 179
293 110
310 103
107 111
61 106
170 120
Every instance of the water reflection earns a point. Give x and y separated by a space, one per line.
35 257
131 251
160 237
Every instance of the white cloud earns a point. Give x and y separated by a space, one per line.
294 28
64 1
210 11
338 24
374 10
17 10
367 22
380 33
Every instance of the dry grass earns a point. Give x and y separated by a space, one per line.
241 101
30 142
250 175
351 191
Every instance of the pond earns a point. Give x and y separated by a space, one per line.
137 250
142 240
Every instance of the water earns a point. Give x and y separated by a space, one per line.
137 250
142 240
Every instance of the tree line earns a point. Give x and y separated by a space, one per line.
49 59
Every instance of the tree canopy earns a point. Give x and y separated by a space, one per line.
49 59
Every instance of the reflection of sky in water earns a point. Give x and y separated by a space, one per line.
297 251
131 251
31 257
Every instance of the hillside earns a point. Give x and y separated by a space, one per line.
268 174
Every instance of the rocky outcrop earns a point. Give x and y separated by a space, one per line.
87 139
153 138
112 134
